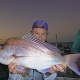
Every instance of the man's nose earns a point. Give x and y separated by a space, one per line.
40 37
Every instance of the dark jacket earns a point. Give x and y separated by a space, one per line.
4 72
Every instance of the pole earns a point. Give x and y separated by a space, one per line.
56 41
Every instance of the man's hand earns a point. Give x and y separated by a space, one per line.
12 68
58 67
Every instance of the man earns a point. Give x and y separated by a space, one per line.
39 30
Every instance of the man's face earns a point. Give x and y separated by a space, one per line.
40 33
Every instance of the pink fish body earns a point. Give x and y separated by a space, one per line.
35 54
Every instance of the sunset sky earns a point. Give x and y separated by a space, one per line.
62 16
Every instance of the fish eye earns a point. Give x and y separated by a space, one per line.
2 47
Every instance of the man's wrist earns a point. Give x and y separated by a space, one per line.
48 74
26 73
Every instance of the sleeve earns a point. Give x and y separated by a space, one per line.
51 77
15 77
19 76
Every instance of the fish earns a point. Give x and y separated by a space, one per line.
32 53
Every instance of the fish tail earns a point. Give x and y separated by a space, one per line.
73 62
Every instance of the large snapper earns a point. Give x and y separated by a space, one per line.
32 53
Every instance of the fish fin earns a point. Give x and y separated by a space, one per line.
19 68
73 62
46 45
44 70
